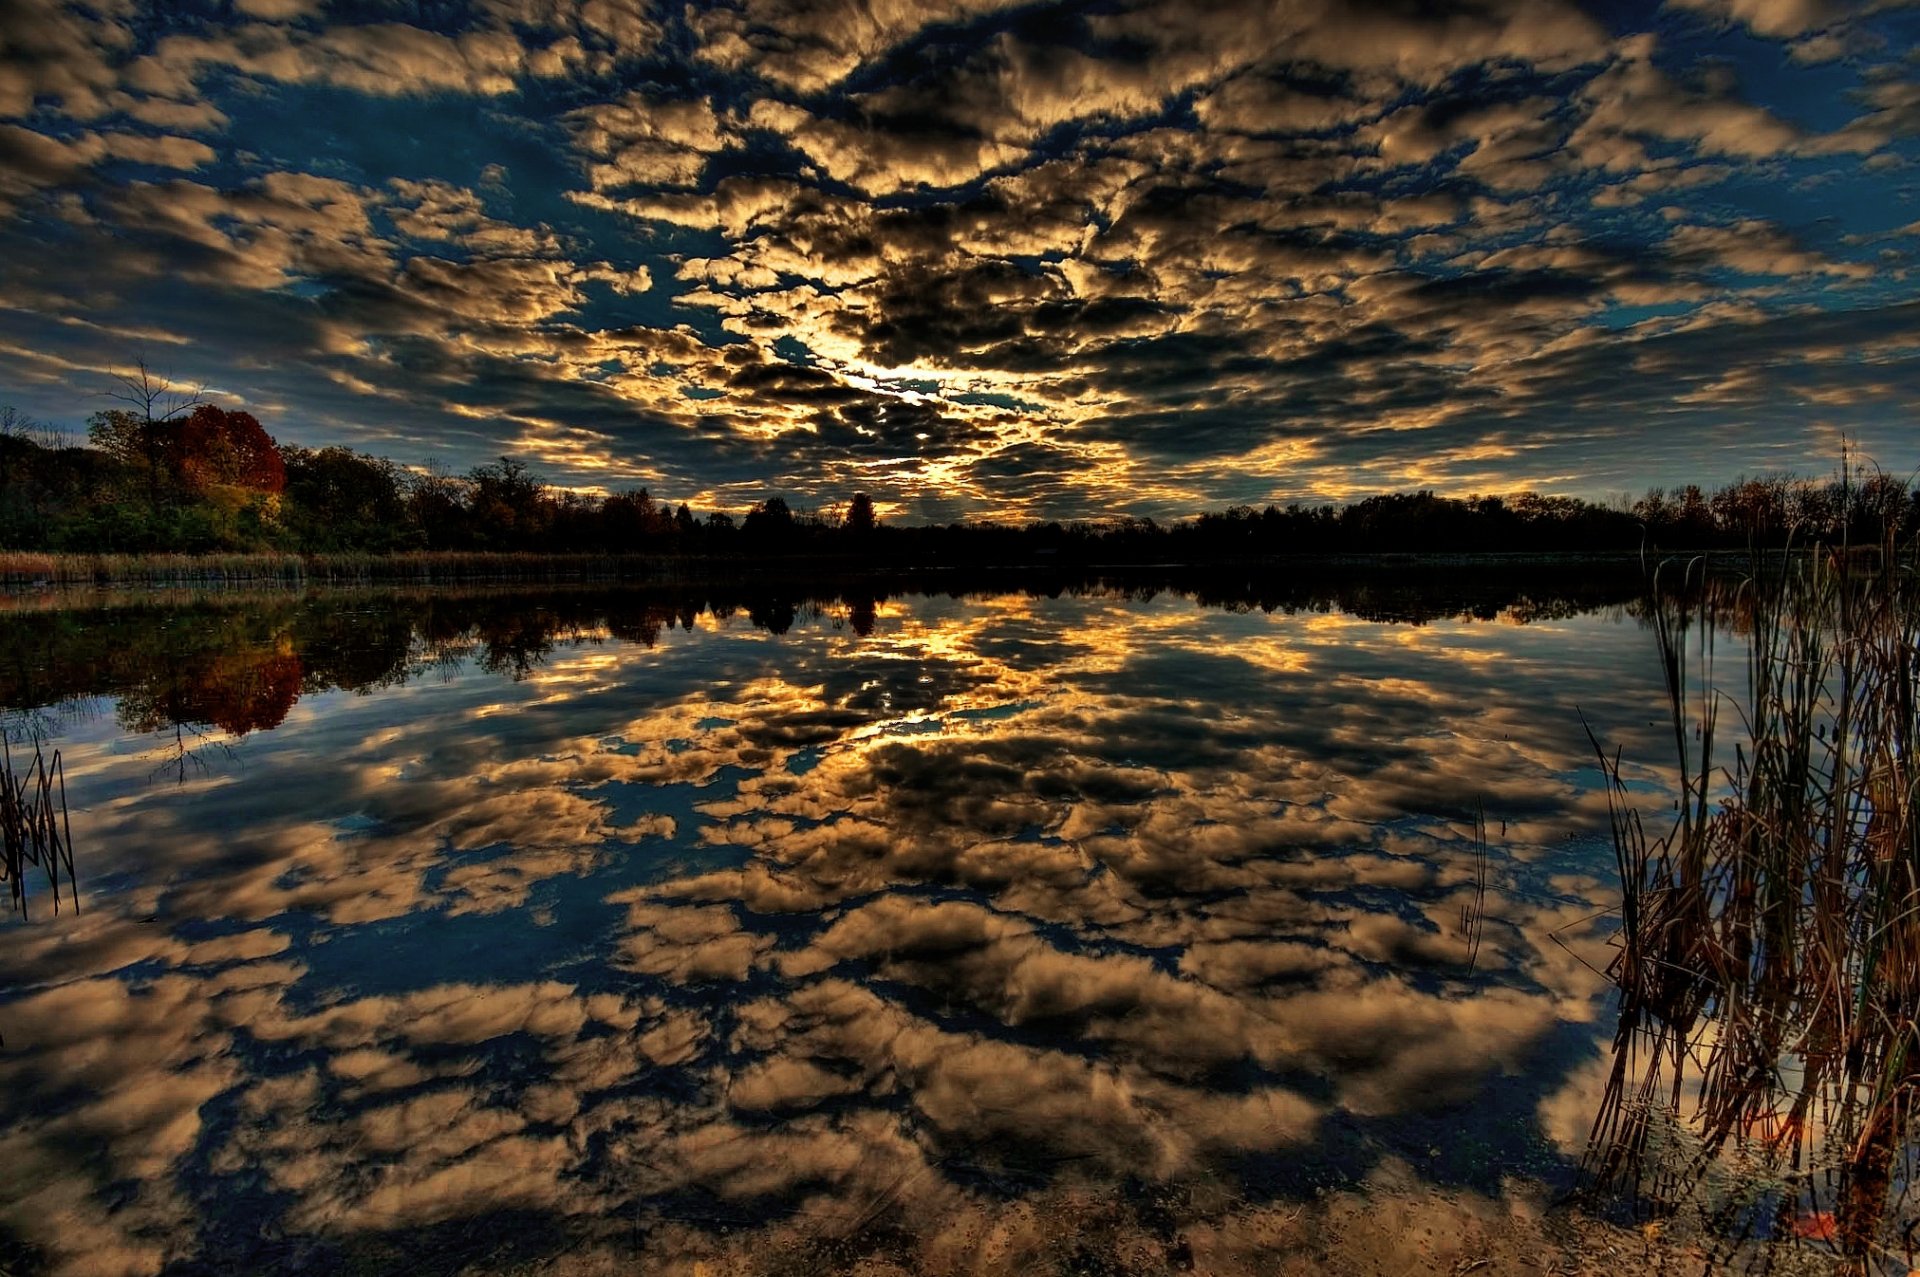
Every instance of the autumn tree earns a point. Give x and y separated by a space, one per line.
510 505
436 505
214 448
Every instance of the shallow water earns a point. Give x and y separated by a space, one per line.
437 926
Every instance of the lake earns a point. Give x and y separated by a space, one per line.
457 930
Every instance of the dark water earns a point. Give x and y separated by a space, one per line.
438 926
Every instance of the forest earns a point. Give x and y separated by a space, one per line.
196 478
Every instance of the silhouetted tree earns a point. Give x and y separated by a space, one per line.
509 505
769 524
629 520
207 472
436 505
860 520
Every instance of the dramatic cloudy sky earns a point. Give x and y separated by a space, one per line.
980 257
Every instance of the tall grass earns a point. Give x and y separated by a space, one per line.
34 829
1768 960
426 566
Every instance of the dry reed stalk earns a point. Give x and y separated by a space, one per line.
34 830
1769 948
19 569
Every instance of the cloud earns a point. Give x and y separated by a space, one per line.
807 45
665 143
1757 248
389 58
973 258
63 53
32 162
1777 18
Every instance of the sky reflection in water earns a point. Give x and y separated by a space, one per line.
920 903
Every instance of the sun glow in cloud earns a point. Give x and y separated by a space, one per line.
984 259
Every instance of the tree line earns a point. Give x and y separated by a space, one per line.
173 473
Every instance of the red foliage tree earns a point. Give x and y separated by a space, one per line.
214 446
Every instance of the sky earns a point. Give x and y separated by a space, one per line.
977 258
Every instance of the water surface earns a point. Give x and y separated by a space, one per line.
476 926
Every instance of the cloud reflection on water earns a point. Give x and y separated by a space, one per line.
726 925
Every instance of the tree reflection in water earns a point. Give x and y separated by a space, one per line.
239 660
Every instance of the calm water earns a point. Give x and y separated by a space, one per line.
470 925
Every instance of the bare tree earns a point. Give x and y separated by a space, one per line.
15 424
157 399
155 396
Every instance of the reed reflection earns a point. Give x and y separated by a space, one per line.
622 920
1764 1072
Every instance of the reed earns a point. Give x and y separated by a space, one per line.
34 830
19 569
1768 959
1473 909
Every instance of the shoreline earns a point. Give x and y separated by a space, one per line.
31 572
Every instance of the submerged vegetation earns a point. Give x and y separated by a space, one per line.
1769 952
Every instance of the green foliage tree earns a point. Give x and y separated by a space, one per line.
510 506
337 499
121 435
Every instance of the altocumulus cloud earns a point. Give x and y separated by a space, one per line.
976 257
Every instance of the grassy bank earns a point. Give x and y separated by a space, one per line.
29 570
